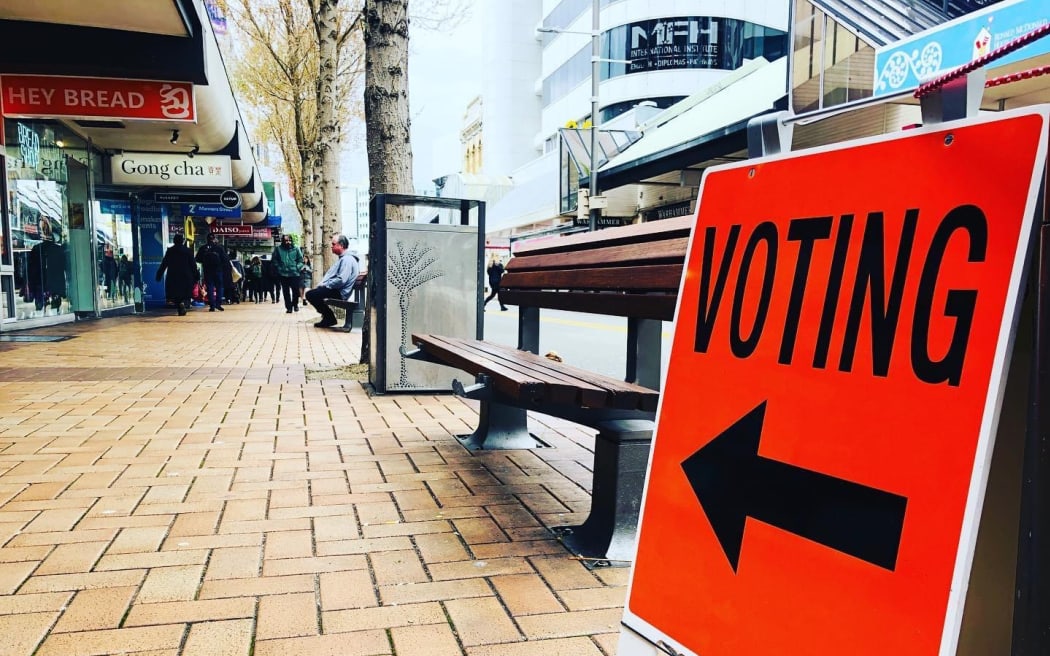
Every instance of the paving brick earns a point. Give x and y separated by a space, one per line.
526 594
171 584
593 598
135 540
364 643
383 617
257 587
114 641
224 638
155 559
574 623
234 563
343 590
289 544
481 621
478 568
101 608
441 547
12 575
33 603
22 633
313 565
347 547
397 567
287 616
172 612
437 591
563 647
192 524
430 640
563 572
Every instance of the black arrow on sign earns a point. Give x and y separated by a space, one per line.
732 482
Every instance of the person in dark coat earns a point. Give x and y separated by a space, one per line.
495 272
182 273
214 264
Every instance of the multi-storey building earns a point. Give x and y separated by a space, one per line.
652 53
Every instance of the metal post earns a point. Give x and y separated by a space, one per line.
596 54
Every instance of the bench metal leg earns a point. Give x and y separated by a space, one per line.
500 427
621 455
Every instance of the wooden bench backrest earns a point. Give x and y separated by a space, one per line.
633 271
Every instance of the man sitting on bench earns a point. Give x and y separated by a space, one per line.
338 282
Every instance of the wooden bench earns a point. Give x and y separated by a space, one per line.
631 272
351 305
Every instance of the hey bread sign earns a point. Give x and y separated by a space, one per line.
836 373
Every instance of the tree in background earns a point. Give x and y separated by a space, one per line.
297 66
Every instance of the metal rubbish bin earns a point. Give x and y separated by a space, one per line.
423 278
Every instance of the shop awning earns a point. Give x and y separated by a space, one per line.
709 125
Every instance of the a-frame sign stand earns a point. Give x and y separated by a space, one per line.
764 577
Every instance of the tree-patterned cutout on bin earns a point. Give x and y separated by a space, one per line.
408 271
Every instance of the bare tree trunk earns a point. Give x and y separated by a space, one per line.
386 112
327 28
386 97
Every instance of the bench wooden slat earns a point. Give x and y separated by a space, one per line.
556 388
642 306
505 379
663 277
613 393
638 233
672 250
580 391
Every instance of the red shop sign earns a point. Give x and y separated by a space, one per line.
85 97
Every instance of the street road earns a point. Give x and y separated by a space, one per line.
588 341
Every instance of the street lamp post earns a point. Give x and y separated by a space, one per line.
594 212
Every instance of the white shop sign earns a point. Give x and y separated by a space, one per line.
171 170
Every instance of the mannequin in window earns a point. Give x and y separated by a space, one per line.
47 269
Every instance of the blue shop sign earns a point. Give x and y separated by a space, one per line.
904 65
210 209
115 206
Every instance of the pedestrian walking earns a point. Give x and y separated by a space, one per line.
124 275
495 272
306 279
271 283
253 279
109 272
181 274
288 262
214 264
338 281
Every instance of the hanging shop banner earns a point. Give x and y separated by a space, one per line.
170 170
905 64
210 209
88 97
827 421
229 230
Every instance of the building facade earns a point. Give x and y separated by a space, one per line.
653 53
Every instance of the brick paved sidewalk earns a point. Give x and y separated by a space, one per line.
182 486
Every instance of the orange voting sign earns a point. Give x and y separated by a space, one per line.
825 431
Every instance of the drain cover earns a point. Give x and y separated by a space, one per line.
34 338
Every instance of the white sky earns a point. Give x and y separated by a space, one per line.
444 75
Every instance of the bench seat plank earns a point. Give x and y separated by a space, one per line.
615 393
506 380
560 388
561 383
641 306
659 277
574 389
667 250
